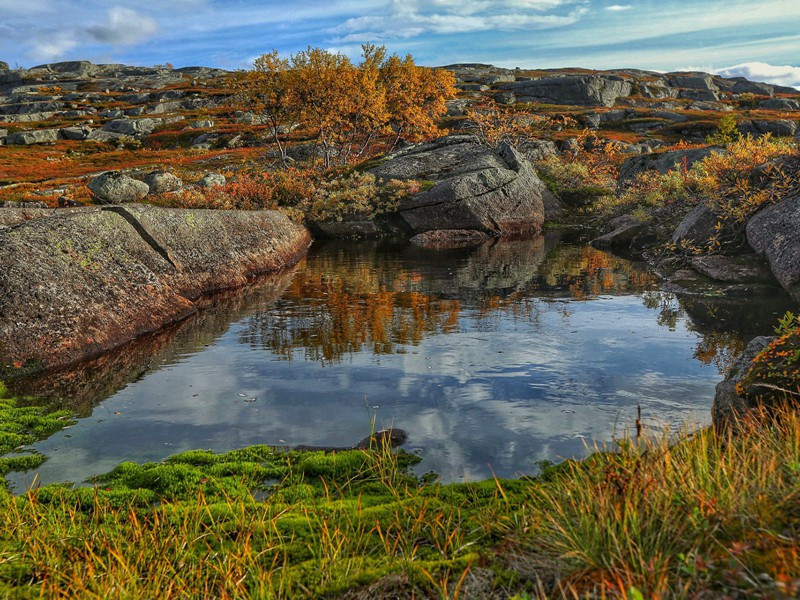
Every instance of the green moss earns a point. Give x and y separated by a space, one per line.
22 425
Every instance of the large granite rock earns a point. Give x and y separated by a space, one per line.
115 187
774 233
661 162
475 187
27 138
729 406
584 90
780 127
86 280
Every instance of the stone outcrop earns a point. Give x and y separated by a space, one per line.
588 90
26 138
774 233
86 280
475 187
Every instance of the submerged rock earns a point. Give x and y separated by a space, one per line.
86 280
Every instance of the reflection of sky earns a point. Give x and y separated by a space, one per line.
473 402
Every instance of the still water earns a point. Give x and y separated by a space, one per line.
491 358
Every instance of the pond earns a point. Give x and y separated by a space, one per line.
492 358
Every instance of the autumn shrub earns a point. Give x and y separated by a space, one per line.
495 125
577 180
359 194
736 183
775 373
344 108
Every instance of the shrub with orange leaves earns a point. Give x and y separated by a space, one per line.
346 108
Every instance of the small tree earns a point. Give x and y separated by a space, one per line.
267 90
727 133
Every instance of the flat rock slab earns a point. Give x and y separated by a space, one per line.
733 269
84 281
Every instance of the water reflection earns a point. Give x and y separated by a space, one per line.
492 358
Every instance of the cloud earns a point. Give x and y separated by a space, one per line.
409 18
123 27
51 47
758 71
619 7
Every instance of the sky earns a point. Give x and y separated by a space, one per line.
759 39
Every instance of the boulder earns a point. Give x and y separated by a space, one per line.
87 280
729 407
699 95
774 233
742 86
475 187
75 133
694 82
583 90
27 138
620 232
161 182
778 128
212 180
131 127
538 150
733 269
115 187
779 104
698 228
661 162
4 66
505 98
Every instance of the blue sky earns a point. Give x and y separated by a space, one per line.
760 38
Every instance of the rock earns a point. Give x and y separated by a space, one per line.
98 135
505 98
781 127
26 138
213 180
695 82
452 238
475 188
4 66
538 150
620 232
86 280
779 104
698 228
115 187
584 90
733 269
742 86
131 127
75 133
201 124
661 162
774 233
699 95
729 407
457 108
161 182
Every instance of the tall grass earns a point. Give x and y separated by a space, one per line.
703 517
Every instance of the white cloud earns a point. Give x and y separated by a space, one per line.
410 18
619 7
123 27
52 47
786 75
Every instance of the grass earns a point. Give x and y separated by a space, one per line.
655 518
